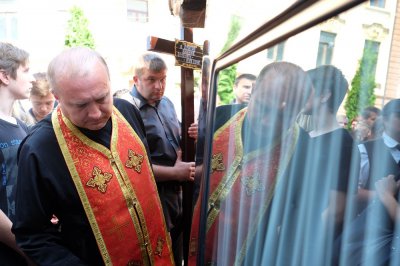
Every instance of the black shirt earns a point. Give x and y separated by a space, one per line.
162 128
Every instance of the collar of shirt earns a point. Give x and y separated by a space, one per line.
389 142
139 100
392 145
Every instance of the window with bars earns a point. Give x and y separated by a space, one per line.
377 3
371 53
276 52
8 26
137 10
325 48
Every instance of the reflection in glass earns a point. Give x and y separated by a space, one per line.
252 151
288 184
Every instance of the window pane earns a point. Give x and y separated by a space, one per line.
137 10
325 50
276 52
377 3
8 26
370 56
285 186
3 28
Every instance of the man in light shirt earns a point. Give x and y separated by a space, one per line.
380 157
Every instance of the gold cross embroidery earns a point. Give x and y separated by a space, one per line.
135 161
159 247
217 163
252 184
118 228
99 180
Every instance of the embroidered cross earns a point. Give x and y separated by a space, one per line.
159 247
135 161
118 228
217 163
252 184
99 180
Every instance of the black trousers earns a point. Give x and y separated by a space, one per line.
171 200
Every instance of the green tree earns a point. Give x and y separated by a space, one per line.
363 84
78 33
226 77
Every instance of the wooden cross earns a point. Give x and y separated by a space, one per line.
187 102
187 90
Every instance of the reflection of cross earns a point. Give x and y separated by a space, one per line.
217 163
118 228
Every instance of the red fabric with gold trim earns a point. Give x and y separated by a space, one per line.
247 199
131 225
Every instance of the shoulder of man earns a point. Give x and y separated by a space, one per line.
23 125
40 135
224 112
125 107
124 94
374 144
131 114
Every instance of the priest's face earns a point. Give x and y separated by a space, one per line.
86 100
281 91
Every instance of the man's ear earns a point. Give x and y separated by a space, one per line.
135 79
4 77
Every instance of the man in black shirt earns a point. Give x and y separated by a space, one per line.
163 135
15 82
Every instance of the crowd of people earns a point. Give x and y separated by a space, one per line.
95 178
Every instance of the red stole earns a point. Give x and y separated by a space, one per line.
241 189
118 192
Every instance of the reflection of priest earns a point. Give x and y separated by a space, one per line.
251 155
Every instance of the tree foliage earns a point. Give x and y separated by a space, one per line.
363 84
226 77
78 33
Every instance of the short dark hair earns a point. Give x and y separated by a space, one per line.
151 61
366 113
245 76
328 77
392 107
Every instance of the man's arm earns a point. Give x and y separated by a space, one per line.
364 194
181 171
386 189
34 233
6 236
336 207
